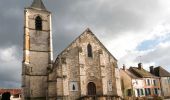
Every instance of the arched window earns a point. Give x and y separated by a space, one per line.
38 23
89 50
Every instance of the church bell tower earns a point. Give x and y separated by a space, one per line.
37 57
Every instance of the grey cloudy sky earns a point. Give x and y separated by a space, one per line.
128 29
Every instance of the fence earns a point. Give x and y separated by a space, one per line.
100 98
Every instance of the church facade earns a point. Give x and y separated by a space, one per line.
85 70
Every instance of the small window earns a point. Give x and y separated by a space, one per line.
154 82
129 92
169 80
148 82
38 23
89 50
141 91
138 92
147 91
156 91
73 86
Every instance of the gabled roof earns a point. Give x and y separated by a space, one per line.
130 74
141 72
159 71
91 33
38 4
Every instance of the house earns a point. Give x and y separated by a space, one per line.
164 79
15 93
138 82
132 86
151 82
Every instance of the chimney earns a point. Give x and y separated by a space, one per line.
152 69
124 67
140 66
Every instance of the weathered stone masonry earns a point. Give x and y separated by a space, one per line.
84 70
74 66
37 54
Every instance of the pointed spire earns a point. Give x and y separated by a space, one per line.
38 4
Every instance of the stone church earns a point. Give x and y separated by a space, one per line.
85 70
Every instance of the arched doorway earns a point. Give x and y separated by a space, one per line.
91 87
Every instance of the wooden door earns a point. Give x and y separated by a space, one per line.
91 88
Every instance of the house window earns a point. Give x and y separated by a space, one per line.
155 91
169 80
154 82
136 82
141 90
73 86
148 82
147 91
129 93
138 92
38 23
89 50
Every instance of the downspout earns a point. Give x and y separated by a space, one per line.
162 92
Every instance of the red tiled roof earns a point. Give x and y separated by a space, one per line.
12 91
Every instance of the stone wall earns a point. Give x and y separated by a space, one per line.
126 82
165 85
37 55
74 67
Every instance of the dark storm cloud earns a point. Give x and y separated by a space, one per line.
11 22
10 68
11 30
115 15
77 15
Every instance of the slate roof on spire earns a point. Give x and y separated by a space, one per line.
38 4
